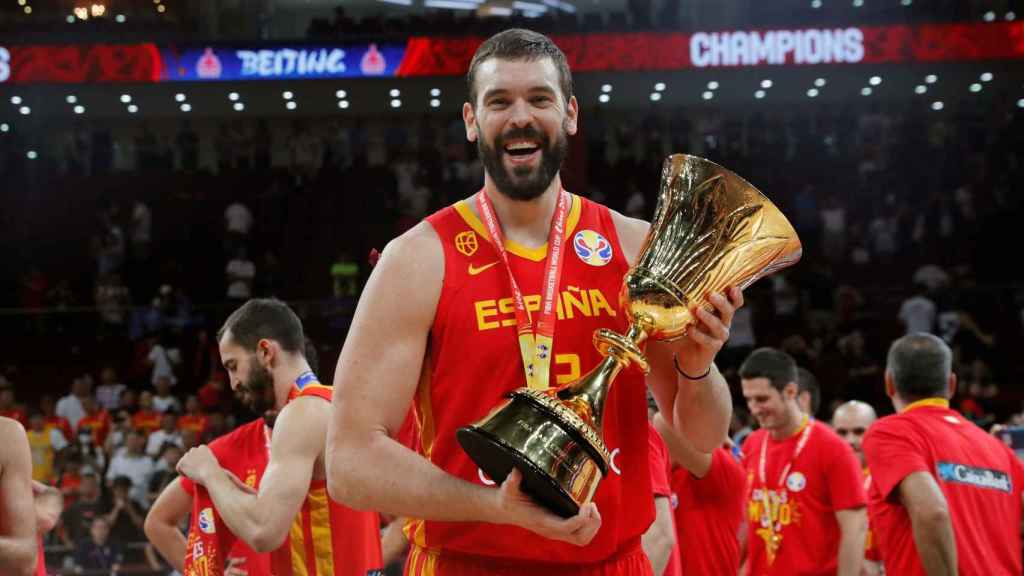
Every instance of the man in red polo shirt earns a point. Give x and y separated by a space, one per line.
945 496
805 496
709 511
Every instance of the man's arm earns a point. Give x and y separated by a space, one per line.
49 503
393 542
378 371
660 537
853 529
700 409
681 450
929 517
162 523
18 531
263 519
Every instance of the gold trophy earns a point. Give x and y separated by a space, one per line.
711 230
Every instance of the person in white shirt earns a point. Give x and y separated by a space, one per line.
163 400
168 433
71 407
161 359
238 222
240 274
108 393
918 312
133 463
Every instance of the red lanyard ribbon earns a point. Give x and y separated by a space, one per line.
535 338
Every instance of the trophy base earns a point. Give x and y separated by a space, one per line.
560 469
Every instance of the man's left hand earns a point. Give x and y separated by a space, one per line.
697 349
198 463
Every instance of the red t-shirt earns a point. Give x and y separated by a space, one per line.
244 453
823 479
60 423
661 464
194 422
97 424
15 414
871 550
980 477
474 362
146 420
709 515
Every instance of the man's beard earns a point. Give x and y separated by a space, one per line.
524 183
258 391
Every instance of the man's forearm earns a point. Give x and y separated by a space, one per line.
702 410
239 510
936 545
414 487
170 542
851 553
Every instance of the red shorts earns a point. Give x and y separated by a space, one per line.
630 560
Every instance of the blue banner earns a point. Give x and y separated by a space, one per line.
280 62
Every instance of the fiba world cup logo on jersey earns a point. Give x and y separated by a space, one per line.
206 521
592 248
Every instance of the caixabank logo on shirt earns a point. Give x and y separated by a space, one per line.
977 477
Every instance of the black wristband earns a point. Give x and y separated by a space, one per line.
675 360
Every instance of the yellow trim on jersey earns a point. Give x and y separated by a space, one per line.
425 413
320 527
298 551
933 402
536 254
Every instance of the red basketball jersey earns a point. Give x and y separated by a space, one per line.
326 538
474 361
244 453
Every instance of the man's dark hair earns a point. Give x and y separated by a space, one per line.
775 365
267 318
520 44
920 365
807 382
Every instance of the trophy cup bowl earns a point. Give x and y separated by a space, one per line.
711 229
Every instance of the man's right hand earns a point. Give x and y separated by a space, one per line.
519 509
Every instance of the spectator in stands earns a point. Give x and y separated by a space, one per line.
129 400
239 276
163 400
213 395
164 472
108 393
70 407
917 313
140 234
96 422
48 408
809 395
46 445
133 463
161 359
238 223
126 515
945 496
97 554
122 426
345 275
112 301
146 419
88 505
193 419
8 406
167 434
833 225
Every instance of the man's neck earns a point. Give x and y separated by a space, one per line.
525 222
793 424
285 376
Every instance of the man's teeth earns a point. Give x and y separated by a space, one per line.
521 146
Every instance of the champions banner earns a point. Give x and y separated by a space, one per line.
440 56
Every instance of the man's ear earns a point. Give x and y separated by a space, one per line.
572 116
790 391
469 118
951 386
890 387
